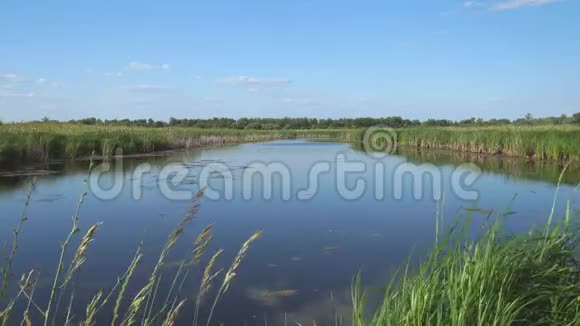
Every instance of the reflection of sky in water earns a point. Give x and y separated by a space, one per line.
309 251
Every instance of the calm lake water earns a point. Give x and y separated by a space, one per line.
303 264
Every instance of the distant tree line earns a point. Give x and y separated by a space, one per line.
313 123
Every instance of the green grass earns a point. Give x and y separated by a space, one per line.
500 279
544 142
52 140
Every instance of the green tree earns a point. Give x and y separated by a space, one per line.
576 118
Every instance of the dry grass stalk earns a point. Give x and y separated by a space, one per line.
92 310
231 273
24 283
126 279
64 245
6 270
171 318
208 277
80 255
171 240
136 304
201 243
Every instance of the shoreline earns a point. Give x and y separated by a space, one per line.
49 142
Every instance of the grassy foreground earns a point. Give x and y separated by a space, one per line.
151 305
531 279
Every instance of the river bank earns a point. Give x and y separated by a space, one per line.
38 142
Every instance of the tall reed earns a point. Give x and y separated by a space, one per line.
498 279
231 272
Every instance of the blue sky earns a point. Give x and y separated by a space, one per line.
316 58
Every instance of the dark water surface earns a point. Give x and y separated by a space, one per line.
302 266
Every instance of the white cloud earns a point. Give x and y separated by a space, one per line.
502 5
138 66
10 93
147 89
113 74
495 99
516 4
301 100
473 4
253 83
10 77
41 81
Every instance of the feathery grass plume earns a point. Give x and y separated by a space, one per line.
6 269
171 240
231 273
208 277
64 245
138 301
91 310
202 242
126 278
80 255
171 318
149 291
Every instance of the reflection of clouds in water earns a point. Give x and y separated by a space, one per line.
269 297
328 309
333 308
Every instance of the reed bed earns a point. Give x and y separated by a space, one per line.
542 142
52 140
498 279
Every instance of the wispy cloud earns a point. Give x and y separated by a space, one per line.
113 74
472 4
516 4
15 85
253 83
301 100
139 66
146 89
503 5
9 77
8 92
